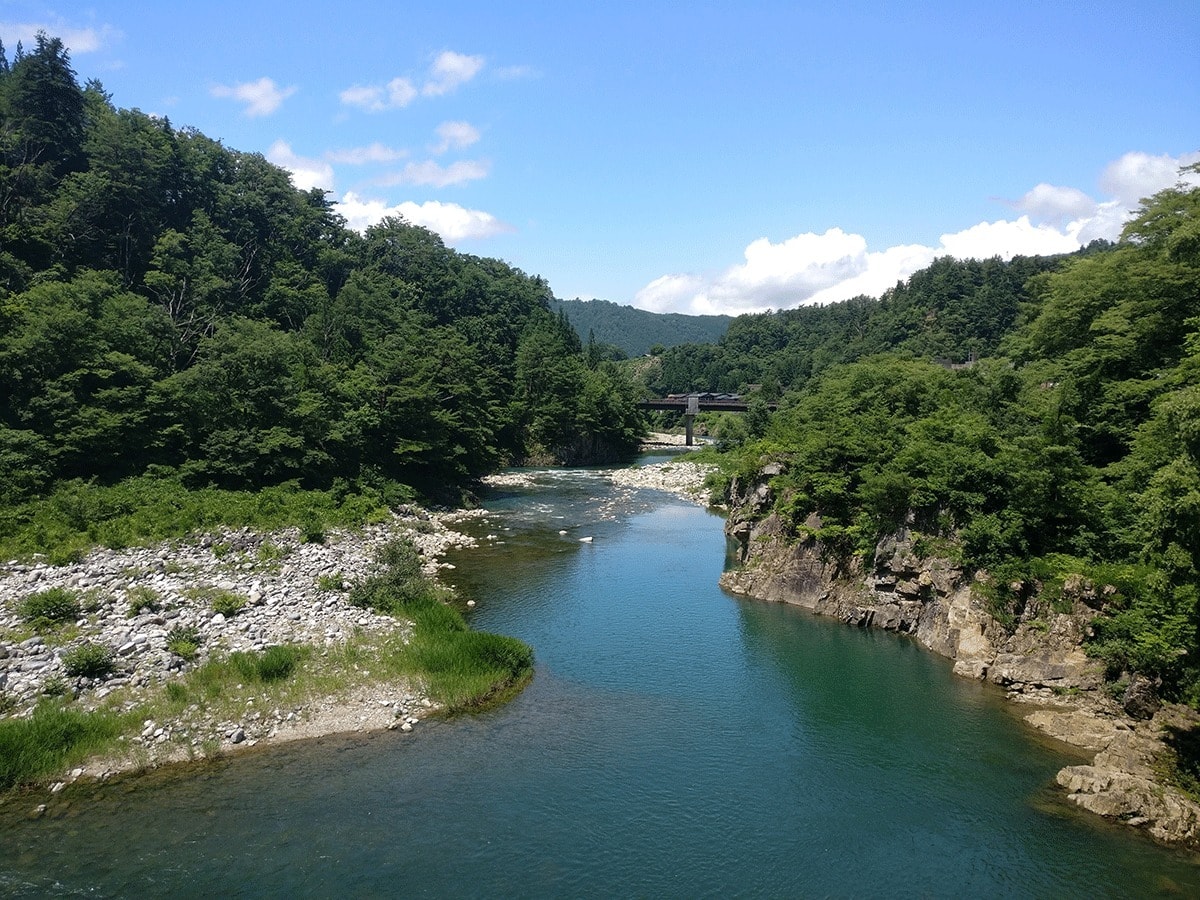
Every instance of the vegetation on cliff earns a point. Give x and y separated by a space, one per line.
1070 445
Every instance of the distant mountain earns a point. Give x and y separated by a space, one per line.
634 330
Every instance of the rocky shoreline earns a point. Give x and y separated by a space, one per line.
1039 660
681 478
133 601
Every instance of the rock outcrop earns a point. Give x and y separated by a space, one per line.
1038 658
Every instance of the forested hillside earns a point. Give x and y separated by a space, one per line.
1069 451
174 309
953 311
635 331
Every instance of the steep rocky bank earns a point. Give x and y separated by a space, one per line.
1039 659
134 600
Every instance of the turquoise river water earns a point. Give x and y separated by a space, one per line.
675 742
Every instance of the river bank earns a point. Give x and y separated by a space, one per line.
229 591
134 601
1039 659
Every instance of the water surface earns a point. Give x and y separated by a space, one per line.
675 742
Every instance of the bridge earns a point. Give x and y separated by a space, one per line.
692 404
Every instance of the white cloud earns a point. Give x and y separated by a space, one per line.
1136 176
433 174
307 173
672 293
1056 204
455 136
451 221
76 40
823 268
1007 239
396 94
808 268
514 73
450 70
372 153
447 72
261 97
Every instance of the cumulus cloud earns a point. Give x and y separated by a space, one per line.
447 73
807 268
396 94
1051 203
454 136
1007 239
372 153
1136 176
261 98
836 265
307 173
433 174
75 39
451 221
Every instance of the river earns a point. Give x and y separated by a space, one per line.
675 742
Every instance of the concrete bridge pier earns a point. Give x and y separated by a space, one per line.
689 418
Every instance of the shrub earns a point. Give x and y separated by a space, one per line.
330 582
49 608
56 686
184 641
88 660
143 599
227 604
269 552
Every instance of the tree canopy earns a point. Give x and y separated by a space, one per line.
168 304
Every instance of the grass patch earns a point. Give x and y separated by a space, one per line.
462 669
273 664
79 515
54 738
228 604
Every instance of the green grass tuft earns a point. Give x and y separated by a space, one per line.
52 739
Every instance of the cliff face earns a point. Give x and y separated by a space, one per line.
930 599
1039 659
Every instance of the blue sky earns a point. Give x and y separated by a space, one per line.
690 157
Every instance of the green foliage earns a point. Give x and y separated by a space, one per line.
227 603
463 668
151 508
635 332
272 664
88 660
184 640
50 740
170 305
143 599
952 312
49 609
334 582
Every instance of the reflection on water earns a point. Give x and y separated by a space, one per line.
674 742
